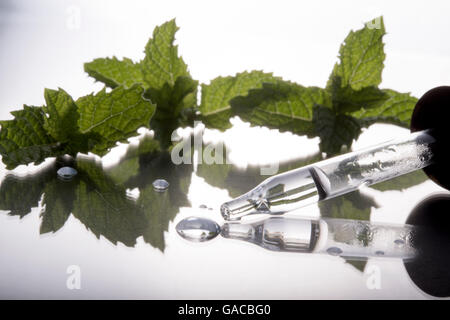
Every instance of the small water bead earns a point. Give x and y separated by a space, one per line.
399 242
160 185
197 229
66 173
334 251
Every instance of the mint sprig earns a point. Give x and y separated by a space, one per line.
94 123
158 92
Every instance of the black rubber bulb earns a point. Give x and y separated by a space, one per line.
432 111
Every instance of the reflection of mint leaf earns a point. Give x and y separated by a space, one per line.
402 182
334 130
361 57
58 204
104 208
358 264
129 165
215 104
397 109
114 116
19 194
238 180
282 105
114 72
354 205
24 139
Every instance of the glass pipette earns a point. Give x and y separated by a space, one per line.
335 176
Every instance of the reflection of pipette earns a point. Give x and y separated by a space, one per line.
352 239
342 174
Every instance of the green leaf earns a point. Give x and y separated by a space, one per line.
345 99
215 103
161 64
361 57
114 116
281 105
62 111
334 130
24 139
114 72
174 105
397 109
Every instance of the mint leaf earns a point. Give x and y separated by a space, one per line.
175 106
61 122
361 57
163 74
397 109
281 105
161 64
114 72
215 103
114 116
24 139
345 99
334 130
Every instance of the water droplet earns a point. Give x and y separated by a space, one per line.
197 229
399 242
379 253
334 251
160 185
66 173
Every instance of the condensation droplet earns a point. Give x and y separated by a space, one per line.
334 251
197 229
66 173
160 185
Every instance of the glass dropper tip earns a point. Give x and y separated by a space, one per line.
333 177
225 211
